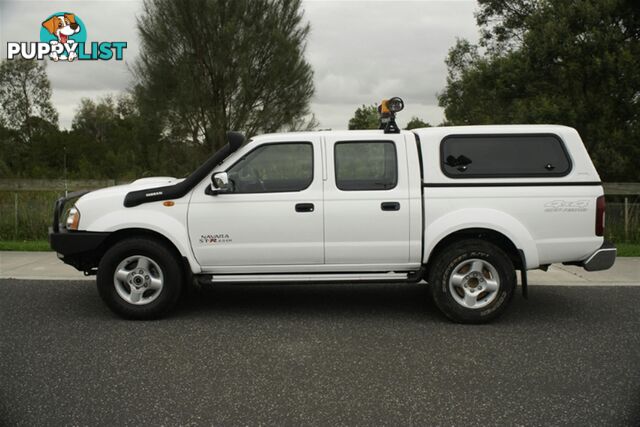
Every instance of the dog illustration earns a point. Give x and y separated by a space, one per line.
62 26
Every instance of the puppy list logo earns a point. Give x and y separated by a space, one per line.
63 37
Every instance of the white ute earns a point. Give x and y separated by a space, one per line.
461 208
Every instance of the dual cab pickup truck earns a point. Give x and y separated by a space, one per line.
461 208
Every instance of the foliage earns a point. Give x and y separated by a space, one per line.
365 117
628 249
572 63
26 214
109 139
24 245
416 122
215 65
25 98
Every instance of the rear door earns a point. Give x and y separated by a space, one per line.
366 201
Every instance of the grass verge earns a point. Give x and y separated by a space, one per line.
628 249
24 245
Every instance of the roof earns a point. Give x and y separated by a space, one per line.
522 128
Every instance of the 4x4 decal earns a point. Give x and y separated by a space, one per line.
566 206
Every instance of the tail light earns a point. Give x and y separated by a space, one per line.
600 207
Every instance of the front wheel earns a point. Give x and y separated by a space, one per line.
139 279
472 281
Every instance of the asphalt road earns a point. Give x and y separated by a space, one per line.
322 355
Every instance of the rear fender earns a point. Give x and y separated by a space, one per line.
490 219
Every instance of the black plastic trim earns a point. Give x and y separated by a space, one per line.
523 274
511 184
419 148
602 259
305 207
80 249
390 206
499 175
76 242
135 198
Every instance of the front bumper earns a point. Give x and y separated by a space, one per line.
81 249
602 259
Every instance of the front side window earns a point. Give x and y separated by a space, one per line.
366 165
502 156
270 168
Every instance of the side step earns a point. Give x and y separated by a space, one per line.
305 277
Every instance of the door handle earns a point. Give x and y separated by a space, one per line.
390 206
304 207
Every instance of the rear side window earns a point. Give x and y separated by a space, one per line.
497 156
366 165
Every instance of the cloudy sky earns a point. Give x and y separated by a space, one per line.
361 51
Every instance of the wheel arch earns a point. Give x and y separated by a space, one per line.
486 234
494 225
137 232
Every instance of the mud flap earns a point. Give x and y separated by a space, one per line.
523 274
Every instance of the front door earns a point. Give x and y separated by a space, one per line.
272 216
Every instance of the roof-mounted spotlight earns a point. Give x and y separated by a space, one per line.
395 104
388 109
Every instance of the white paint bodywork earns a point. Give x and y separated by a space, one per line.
348 232
264 228
517 212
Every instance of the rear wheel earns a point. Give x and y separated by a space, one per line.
139 278
472 281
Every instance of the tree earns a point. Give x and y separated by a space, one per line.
25 94
117 137
573 63
215 65
416 122
365 117
96 119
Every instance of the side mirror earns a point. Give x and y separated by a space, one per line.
219 184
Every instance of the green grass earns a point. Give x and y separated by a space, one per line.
24 245
624 249
34 214
628 249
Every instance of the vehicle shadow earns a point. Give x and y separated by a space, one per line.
345 300
395 300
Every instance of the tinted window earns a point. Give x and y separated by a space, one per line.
274 168
366 165
471 156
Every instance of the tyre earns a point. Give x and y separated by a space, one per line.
140 278
472 281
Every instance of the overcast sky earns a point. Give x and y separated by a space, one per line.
361 51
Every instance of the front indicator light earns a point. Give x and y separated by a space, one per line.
73 219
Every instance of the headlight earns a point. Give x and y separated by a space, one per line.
73 219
